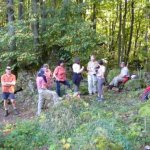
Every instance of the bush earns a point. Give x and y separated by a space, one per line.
136 84
112 74
26 135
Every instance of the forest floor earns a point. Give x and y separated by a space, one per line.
30 113
24 114
117 119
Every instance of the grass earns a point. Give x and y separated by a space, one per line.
85 124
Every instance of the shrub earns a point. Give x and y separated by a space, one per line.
103 142
26 135
112 74
136 84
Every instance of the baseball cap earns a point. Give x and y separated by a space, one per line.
8 68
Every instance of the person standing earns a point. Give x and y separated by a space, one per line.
100 80
43 91
77 77
49 76
8 81
92 79
60 76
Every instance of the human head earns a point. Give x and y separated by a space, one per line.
46 66
41 72
92 58
8 70
122 64
77 60
60 63
101 62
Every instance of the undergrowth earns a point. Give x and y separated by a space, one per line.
118 123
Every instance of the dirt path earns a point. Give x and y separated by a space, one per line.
24 114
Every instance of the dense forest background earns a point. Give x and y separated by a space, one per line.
33 32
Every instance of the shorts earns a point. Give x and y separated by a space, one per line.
6 96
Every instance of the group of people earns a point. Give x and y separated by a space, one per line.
45 77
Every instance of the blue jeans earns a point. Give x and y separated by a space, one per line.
58 84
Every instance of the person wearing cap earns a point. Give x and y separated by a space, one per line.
92 79
49 76
123 74
77 77
100 80
8 81
43 91
60 76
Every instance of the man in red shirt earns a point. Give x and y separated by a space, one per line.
8 81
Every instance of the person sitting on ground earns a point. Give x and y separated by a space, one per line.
8 81
77 77
43 91
92 80
124 74
60 76
49 76
100 80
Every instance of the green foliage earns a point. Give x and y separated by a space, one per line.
145 110
135 84
83 124
104 143
27 134
67 35
112 74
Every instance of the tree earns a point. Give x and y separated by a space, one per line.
20 10
35 22
11 27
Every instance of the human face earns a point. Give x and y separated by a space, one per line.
62 64
8 71
46 68
92 58
122 65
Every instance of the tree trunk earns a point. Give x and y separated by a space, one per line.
131 30
124 30
53 5
119 33
136 37
20 10
43 15
35 24
113 30
94 16
11 28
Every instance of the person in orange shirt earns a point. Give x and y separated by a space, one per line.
8 81
60 76
49 76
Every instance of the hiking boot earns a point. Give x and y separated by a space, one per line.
16 112
6 113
